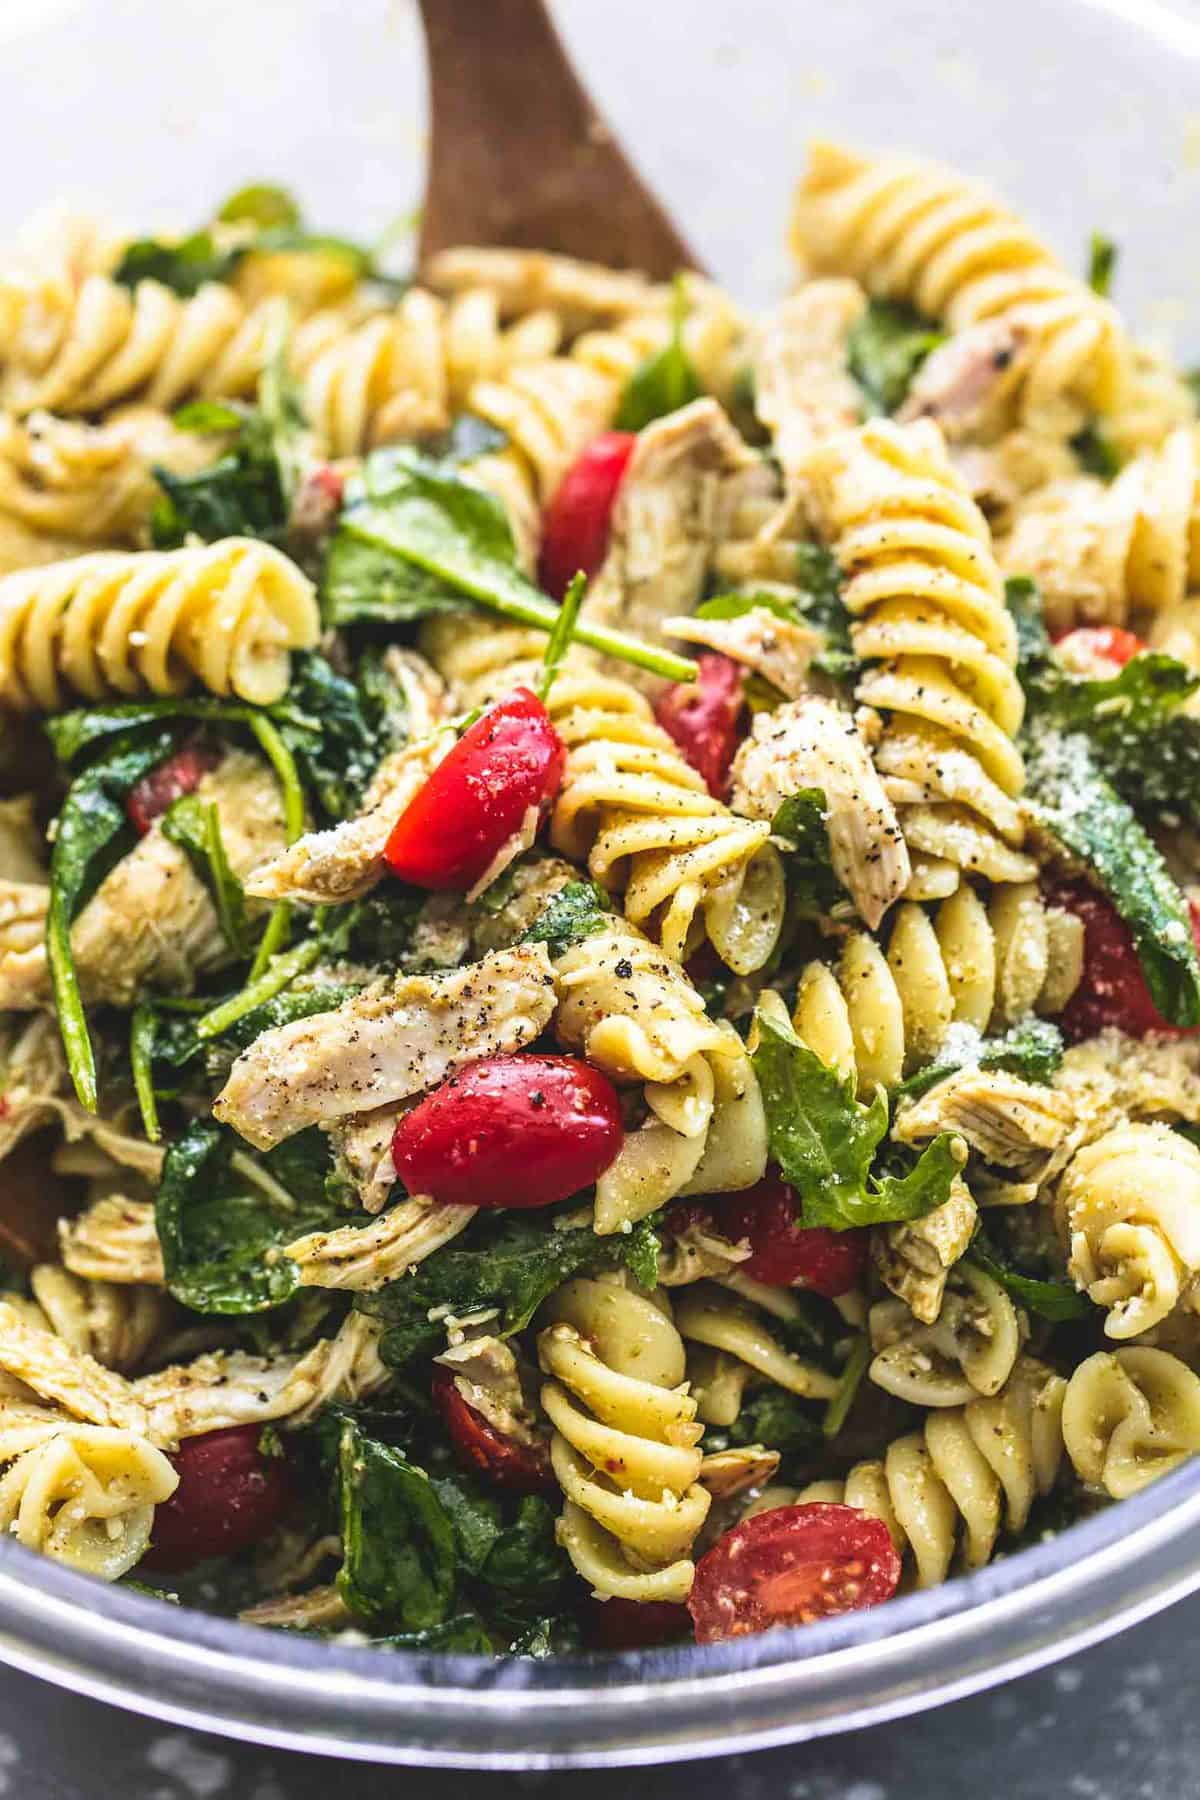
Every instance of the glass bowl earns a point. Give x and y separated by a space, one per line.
1087 112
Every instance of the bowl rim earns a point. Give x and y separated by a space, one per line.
449 1710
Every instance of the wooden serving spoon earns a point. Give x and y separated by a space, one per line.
520 157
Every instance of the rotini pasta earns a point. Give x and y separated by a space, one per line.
625 1446
969 1474
1130 1416
86 1497
927 598
1129 1212
970 1349
914 231
226 614
736 1348
877 1015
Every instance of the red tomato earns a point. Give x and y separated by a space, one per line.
514 1131
792 1566
618 1624
178 775
1113 990
1091 645
509 761
501 1461
785 1253
575 528
704 717
229 1496
318 502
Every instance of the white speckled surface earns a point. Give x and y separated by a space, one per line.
158 107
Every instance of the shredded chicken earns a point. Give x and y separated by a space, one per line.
117 1323
914 1259
397 1038
777 649
1006 1120
812 743
151 922
967 385
362 1155
35 1092
728 1472
680 485
367 1257
697 1253
22 843
114 1239
489 1377
327 868
803 389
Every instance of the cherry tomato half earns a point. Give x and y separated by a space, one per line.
229 1496
576 526
1113 990
1088 649
501 1461
617 1624
786 1253
174 777
477 798
792 1566
515 1131
704 718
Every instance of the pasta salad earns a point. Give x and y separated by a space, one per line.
599 902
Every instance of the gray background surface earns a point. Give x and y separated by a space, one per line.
1088 112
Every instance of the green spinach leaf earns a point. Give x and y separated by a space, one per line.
1032 1048
1102 264
825 1142
886 347
1053 1300
195 826
399 1552
184 266
577 910
801 822
665 381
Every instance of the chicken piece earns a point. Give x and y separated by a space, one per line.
1112 1074
914 1259
69 1378
320 1609
326 868
117 1324
671 511
697 1253
35 1091
525 281
1004 1119
813 743
22 843
803 389
362 1155
728 1472
780 650
366 1257
151 922
115 1240
969 383
489 1377
397 1038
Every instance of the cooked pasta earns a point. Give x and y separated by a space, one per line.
971 1348
86 1497
876 1015
917 232
625 1440
227 615
1130 1416
968 1476
1129 1210
738 1347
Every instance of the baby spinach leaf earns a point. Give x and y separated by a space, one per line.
1070 800
263 204
850 1380
1053 1300
800 821
577 910
217 1223
1143 740
1097 453
886 347
195 826
780 1420
448 543
816 601
503 1259
184 266
93 832
399 1551
665 381
466 1634
825 1141
1102 264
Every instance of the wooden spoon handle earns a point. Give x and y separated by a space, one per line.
519 156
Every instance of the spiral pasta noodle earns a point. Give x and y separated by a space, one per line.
117 1323
630 807
1128 1208
876 1015
970 1473
227 614
917 232
731 1346
1130 1416
625 1445
1100 554
86 1497
971 1348
927 598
